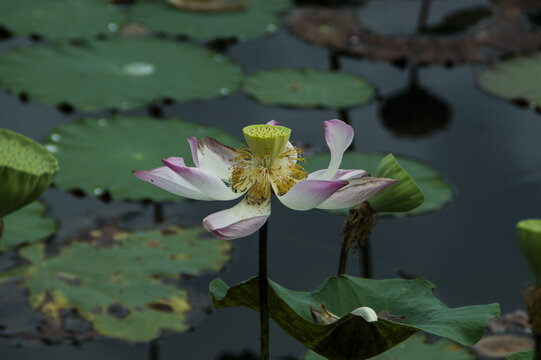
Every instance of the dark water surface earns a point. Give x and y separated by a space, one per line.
489 152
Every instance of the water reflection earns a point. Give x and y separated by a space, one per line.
415 112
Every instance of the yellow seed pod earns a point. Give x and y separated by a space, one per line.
266 140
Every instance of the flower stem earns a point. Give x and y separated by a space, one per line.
263 292
365 257
532 297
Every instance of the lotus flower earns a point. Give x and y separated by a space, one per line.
268 164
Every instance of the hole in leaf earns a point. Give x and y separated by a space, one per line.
160 307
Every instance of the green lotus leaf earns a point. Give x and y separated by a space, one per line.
61 19
529 238
111 148
413 175
514 79
26 225
117 73
26 170
416 348
113 278
409 303
258 18
525 355
400 197
308 88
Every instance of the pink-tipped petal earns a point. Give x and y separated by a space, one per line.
339 136
308 194
354 193
239 221
193 146
340 174
216 157
273 123
168 180
204 181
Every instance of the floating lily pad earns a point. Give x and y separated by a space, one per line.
257 18
117 73
26 170
436 190
113 278
309 88
416 348
26 225
514 79
111 148
61 19
403 306
525 355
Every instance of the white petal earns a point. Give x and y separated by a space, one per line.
340 174
339 136
308 194
204 181
215 157
193 147
167 179
239 221
355 192
367 313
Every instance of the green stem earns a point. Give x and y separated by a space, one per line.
263 292
1 227
365 257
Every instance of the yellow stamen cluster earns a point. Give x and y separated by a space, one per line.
255 173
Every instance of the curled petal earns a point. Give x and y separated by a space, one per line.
215 157
339 136
239 221
168 180
273 123
204 181
355 192
308 194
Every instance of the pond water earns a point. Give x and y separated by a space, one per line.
488 151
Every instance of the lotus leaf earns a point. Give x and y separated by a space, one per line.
405 194
26 170
111 148
258 18
308 88
117 73
514 79
403 306
61 19
525 355
416 348
114 279
26 225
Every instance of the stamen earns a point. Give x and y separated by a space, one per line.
254 174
